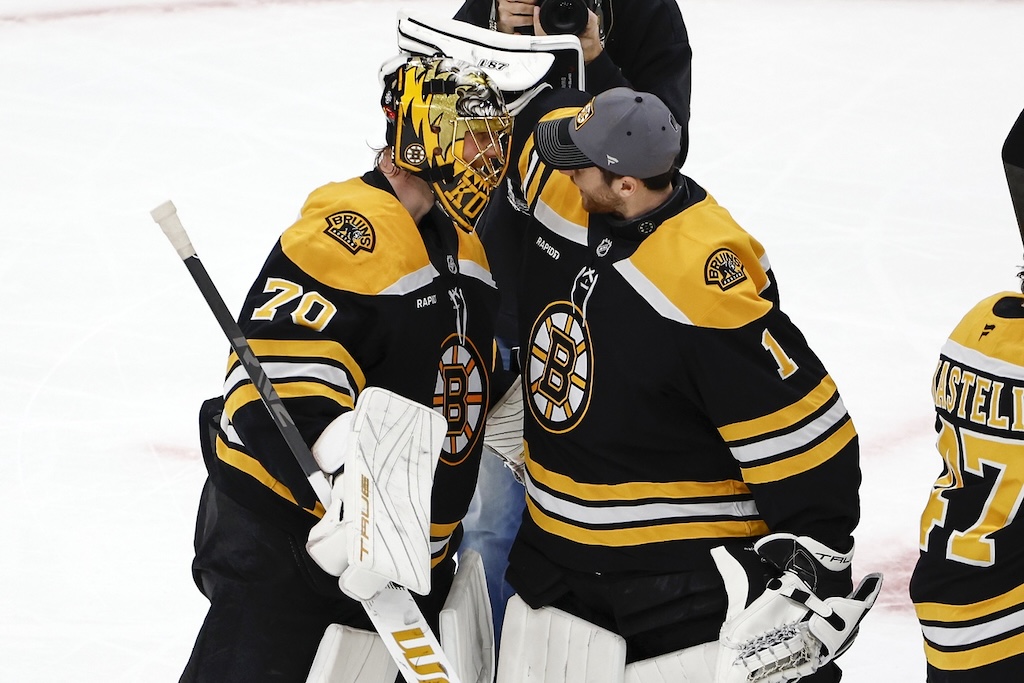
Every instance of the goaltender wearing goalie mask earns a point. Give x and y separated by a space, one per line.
448 124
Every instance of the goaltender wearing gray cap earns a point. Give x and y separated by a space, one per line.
691 472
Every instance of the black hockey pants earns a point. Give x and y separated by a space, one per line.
268 606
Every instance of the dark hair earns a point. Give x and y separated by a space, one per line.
386 152
658 182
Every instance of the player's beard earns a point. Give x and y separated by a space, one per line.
601 200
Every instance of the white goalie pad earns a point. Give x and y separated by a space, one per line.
389 472
520 65
692 665
551 646
466 625
349 655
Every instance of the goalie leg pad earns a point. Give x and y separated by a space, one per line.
548 645
349 655
466 627
691 665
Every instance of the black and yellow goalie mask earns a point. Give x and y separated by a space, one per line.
448 124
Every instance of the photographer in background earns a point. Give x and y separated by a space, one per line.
645 48
642 44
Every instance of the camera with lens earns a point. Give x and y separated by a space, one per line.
560 17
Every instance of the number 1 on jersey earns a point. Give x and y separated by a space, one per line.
787 366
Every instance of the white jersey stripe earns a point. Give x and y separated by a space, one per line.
976 359
796 440
650 293
641 512
282 371
959 636
558 225
411 282
475 270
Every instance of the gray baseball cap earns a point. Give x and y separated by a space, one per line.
624 131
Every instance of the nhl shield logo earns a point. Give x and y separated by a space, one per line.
351 230
724 268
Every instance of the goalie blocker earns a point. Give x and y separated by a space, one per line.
377 527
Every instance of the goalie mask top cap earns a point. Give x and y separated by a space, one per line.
624 131
432 104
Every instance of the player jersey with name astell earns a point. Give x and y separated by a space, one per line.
968 586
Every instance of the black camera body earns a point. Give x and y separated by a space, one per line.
561 17
564 16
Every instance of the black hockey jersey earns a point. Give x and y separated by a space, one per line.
646 48
672 405
355 294
968 586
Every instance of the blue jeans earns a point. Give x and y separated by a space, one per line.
490 526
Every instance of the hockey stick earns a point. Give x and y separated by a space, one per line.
1013 165
394 614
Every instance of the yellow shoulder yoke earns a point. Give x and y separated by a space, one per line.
703 265
355 237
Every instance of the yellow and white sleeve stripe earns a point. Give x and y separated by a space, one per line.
638 513
792 440
959 637
297 369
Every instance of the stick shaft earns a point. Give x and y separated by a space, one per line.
394 614
166 216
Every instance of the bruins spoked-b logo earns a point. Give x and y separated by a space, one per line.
415 154
724 268
459 395
559 367
352 230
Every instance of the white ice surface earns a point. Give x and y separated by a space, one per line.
857 139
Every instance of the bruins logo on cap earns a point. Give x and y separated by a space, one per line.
584 114
724 268
352 230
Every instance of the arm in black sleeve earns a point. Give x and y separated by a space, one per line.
647 49
476 12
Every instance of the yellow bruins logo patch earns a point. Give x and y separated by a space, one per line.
724 268
351 230
584 114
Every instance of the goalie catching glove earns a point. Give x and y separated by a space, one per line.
790 631
377 526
